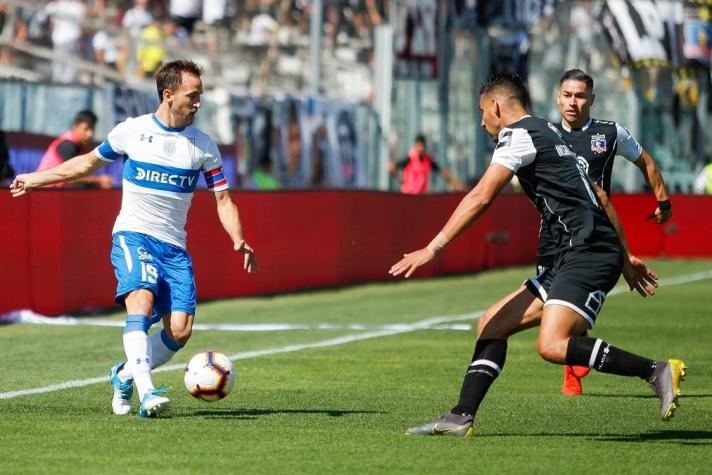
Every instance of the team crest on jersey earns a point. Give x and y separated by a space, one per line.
169 147
598 143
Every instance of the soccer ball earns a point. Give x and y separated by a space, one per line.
209 376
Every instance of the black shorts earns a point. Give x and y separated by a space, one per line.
580 280
540 284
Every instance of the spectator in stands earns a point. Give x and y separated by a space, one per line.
414 170
67 17
177 38
263 178
151 48
137 18
214 17
186 13
6 171
262 27
107 47
70 144
703 182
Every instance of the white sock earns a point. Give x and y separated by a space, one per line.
160 352
138 352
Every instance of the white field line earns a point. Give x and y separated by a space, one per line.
421 325
29 317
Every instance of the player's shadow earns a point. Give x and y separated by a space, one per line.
254 413
646 396
681 437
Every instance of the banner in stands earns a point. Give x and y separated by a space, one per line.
658 33
415 24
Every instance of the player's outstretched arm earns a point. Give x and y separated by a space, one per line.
74 168
638 276
230 219
654 179
471 207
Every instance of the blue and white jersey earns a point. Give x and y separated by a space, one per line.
161 171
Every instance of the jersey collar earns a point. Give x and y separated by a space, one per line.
585 126
167 129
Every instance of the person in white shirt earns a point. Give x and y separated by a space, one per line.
67 17
164 155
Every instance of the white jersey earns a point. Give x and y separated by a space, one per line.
161 171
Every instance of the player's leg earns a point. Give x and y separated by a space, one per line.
177 328
139 305
176 304
577 296
137 285
515 312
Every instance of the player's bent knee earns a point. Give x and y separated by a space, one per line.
181 335
552 350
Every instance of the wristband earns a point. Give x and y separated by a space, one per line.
664 205
438 242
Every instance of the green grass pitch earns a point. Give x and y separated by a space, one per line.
344 408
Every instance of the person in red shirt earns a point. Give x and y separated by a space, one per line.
414 170
69 145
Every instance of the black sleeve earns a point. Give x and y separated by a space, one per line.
400 164
435 167
67 150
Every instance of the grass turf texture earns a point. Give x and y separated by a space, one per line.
344 409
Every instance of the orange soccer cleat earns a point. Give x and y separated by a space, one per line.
572 380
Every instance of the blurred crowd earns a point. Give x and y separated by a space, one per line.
133 37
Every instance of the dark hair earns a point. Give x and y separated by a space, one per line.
577 75
85 117
170 75
420 138
508 84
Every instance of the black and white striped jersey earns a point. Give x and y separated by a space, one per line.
550 175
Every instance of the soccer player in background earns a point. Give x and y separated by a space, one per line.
597 142
164 155
592 252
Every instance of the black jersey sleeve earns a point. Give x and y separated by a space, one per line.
67 150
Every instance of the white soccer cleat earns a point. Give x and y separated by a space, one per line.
153 403
123 390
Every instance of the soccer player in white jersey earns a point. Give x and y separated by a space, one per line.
164 155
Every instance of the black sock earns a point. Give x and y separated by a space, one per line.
487 363
599 355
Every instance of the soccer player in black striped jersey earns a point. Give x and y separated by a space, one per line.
597 142
592 252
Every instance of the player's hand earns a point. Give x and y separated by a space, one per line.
250 263
412 261
22 184
639 276
660 217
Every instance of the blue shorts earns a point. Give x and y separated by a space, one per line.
144 262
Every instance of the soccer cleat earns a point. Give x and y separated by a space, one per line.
666 384
572 380
123 390
454 425
153 403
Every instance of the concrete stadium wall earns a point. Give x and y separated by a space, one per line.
55 244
